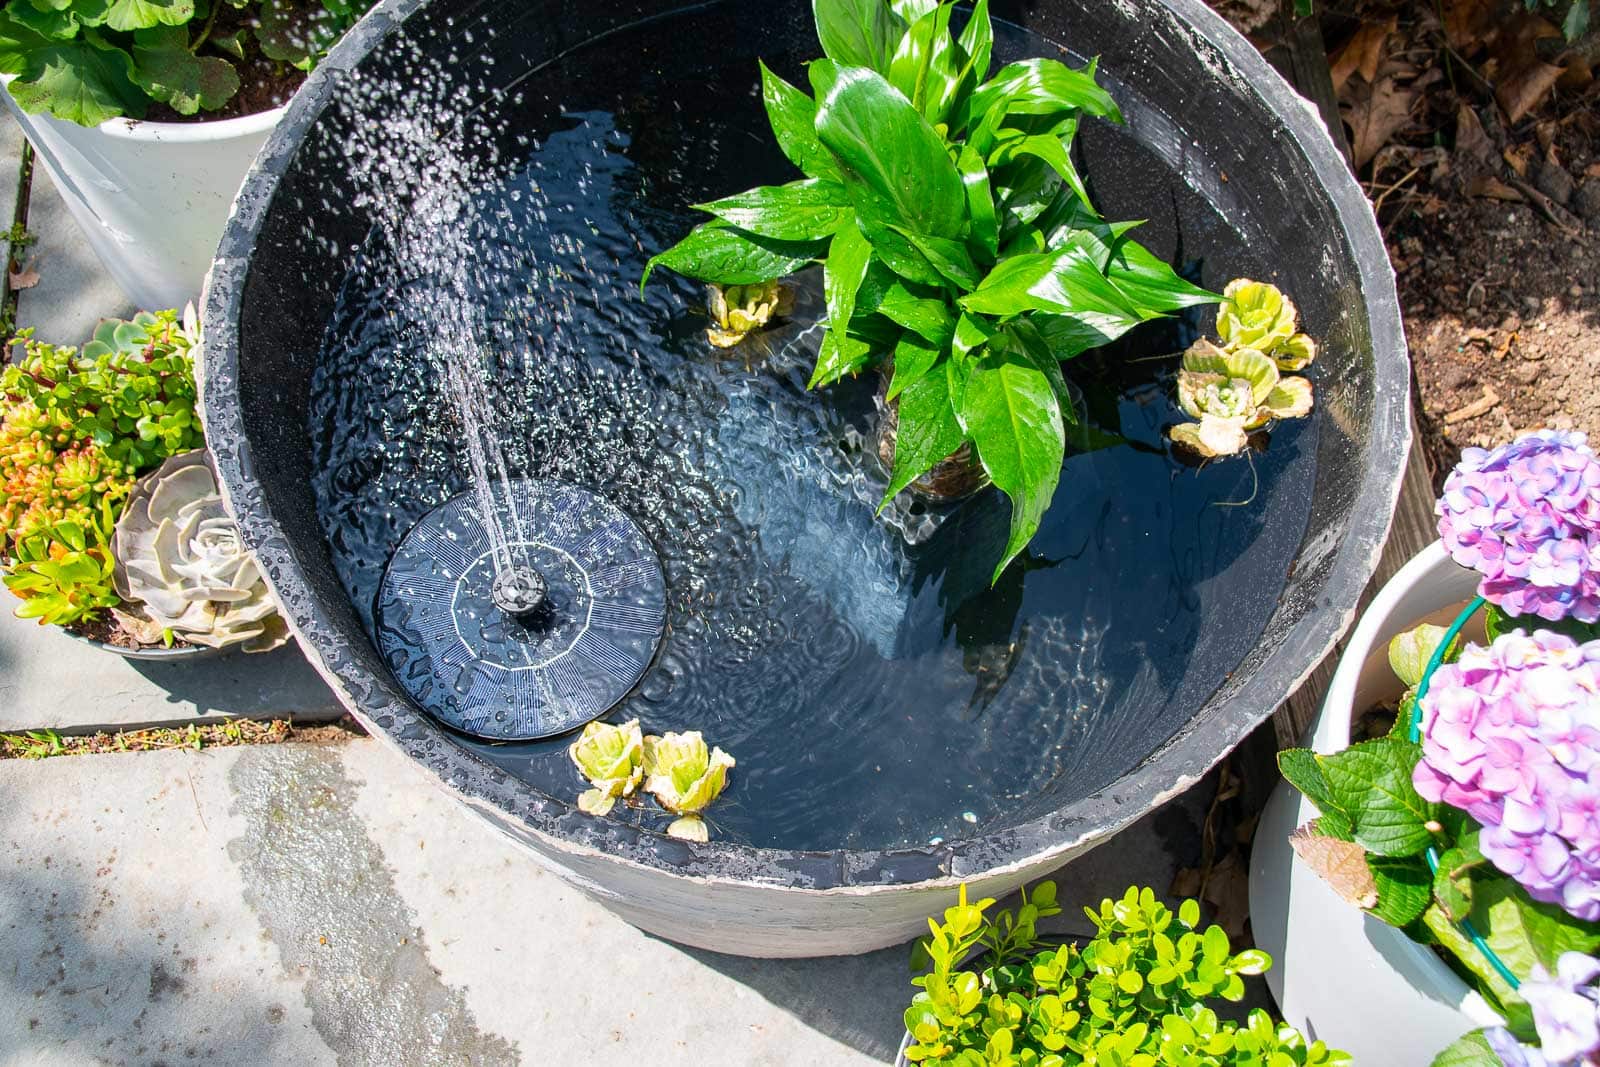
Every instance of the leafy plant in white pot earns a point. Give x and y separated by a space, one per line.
1440 901
147 116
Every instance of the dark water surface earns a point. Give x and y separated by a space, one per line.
874 689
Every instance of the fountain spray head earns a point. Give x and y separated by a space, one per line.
520 592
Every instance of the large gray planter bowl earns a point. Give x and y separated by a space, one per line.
1195 92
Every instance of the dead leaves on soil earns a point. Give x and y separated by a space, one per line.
1378 87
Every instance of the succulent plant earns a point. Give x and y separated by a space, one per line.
611 758
685 778
183 568
739 310
1230 391
63 573
1257 315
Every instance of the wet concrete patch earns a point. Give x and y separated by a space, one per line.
325 897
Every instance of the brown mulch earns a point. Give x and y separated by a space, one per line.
42 744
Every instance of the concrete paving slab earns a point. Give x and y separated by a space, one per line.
310 904
51 680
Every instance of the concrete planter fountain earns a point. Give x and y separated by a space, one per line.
1152 631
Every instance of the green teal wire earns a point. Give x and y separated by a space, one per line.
1416 736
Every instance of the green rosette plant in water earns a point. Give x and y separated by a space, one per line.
961 253
998 994
680 770
612 759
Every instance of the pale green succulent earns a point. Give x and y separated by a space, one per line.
739 310
1229 392
685 778
183 568
1257 315
611 758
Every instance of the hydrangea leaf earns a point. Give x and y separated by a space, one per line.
1372 783
1523 932
1405 887
1410 652
1469 1050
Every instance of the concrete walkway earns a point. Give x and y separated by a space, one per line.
309 904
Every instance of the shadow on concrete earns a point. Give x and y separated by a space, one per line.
279 683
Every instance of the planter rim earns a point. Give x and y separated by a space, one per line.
1173 767
1333 735
127 129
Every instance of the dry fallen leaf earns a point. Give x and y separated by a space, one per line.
1493 188
1342 864
1470 23
1522 90
1471 141
1518 157
1376 112
1362 53
1228 891
1592 171
26 278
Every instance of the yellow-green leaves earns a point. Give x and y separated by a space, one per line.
685 777
739 310
1237 388
612 759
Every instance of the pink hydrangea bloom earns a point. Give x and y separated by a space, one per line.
1511 735
1527 517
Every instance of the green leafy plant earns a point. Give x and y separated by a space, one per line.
680 770
87 61
1371 840
76 430
960 251
1134 996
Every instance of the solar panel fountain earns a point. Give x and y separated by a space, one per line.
502 494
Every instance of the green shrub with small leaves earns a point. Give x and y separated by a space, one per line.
76 429
1134 996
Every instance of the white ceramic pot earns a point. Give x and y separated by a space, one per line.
1339 974
151 197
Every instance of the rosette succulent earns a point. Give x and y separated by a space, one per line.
1511 736
1229 392
611 758
685 777
1526 516
739 310
183 568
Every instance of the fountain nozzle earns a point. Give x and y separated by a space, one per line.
520 592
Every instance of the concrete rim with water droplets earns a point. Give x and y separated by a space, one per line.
1346 556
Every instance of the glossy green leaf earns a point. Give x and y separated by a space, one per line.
885 144
912 10
898 253
972 333
929 430
1049 150
980 201
1060 282
1044 87
806 210
845 267
17 42
928 317
1371 782
913 357
977 45
839 355
145 14
924 65
1150 284
717 252
1405 886
857 33
793 116
950 258
1011 412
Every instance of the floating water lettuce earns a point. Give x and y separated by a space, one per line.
1230 392
739 310
685 778
612 759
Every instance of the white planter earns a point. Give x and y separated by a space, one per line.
151 197
1339 974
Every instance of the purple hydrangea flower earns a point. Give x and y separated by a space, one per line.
1511 735
1512 1052
1527 517
1566 1012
